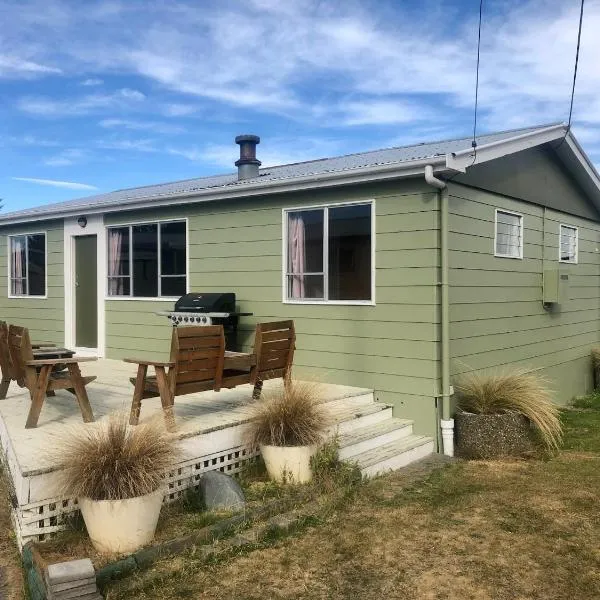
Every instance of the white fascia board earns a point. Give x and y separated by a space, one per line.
460 161
582 169
246 190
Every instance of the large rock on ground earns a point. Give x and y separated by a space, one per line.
221 492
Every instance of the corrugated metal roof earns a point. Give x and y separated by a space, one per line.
388 156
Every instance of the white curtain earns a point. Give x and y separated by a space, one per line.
296 254
115 257
18 265
508 234
568 244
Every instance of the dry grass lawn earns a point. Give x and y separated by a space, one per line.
11 574
480 530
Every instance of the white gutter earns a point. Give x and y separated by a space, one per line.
247 189
446 422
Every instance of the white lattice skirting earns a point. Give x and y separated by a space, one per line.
38 511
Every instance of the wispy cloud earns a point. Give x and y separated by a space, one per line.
71 185
141 145
12 66
92 81
82 105
66 158
153 126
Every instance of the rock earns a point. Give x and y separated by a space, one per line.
72 570
221 492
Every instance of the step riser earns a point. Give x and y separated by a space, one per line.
375 442
357 422
401 460
353 400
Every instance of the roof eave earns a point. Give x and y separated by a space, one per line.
247 189
460 161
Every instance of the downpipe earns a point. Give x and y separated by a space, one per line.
446 422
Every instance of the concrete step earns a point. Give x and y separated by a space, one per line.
373 436
349 417
394 455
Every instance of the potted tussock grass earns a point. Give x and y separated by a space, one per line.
117 473
505 414
287 425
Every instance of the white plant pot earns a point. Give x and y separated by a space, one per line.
118 526
288 464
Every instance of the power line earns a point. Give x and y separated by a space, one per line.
474 142
576 64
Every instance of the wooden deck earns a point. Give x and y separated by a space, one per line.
210 428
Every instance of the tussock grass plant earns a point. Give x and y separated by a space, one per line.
292 416
112 461
518 391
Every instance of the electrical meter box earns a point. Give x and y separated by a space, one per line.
556 286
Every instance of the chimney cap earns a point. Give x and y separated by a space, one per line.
247 138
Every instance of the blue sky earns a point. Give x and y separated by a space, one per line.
102 95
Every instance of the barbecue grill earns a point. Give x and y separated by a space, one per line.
208 309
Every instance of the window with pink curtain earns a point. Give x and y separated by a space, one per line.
329 253
28 265
118 261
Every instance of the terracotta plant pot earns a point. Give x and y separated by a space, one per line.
119 526
494 436
288 464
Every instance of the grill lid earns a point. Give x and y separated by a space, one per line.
207 302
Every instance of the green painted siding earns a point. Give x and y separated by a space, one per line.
237 246
497 318
535 175
45 317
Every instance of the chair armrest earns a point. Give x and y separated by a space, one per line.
60 361
149 363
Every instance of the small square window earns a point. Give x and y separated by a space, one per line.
508 241
567 244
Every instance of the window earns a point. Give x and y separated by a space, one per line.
329 254
509 234
28 264
147 260
567 245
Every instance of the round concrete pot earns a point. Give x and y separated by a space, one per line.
288 464
494 436
119 526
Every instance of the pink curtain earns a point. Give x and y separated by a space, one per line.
115 283
18 266
296 254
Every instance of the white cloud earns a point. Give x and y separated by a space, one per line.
92 81
71 185
82 105
143 145
66 158
12 66
323 64
32 140
177 109
153 126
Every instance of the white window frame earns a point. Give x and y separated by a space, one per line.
560 234
285 246
9 263
522 220
158 222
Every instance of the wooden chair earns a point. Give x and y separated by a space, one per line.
5 361
195 365
274 345
43 381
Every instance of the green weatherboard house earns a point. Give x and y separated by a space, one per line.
400 267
